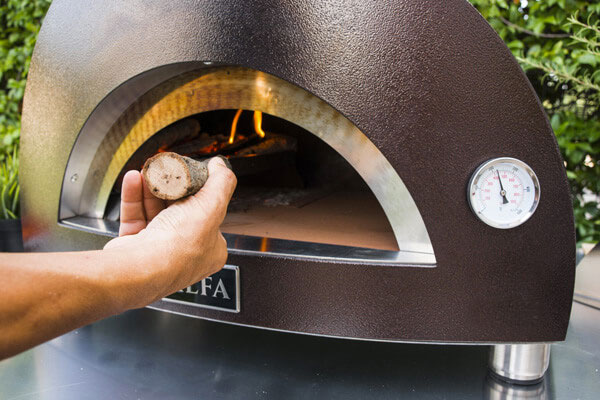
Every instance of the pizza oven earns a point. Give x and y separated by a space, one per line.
398 179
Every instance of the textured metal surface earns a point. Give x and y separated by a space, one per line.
145 354
231 88
429 83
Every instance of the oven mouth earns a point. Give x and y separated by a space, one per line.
323 191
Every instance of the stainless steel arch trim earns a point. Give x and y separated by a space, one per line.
99 123
105 152
255 246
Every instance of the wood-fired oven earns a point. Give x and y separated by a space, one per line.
398 178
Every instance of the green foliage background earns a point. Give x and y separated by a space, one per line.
556 41
20 22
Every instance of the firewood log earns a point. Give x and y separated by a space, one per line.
198 146
171 176
272 143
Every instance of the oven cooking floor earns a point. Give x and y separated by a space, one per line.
342 218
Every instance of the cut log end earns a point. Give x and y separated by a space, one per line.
168 176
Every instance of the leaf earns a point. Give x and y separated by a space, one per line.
534 50
555 122
3 207
589 59
538 26
576 156
493 11
515 44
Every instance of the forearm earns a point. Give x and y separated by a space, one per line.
159 251
44 295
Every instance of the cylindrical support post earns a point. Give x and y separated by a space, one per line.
520 363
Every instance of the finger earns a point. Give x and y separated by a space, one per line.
152 204
133 218
218 189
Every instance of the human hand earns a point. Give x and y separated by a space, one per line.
182 241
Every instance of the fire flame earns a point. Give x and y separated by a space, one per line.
264 244
234 126
258 123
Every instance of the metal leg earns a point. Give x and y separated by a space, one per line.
520 363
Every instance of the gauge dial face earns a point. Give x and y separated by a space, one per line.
504 192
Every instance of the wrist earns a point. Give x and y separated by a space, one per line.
137 273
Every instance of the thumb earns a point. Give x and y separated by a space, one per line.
218 189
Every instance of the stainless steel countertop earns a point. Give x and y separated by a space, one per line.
146 354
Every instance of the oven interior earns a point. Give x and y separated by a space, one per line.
291 184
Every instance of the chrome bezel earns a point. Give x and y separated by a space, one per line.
518 163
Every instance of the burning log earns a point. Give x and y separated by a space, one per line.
174 172
272 143
172 177
202 145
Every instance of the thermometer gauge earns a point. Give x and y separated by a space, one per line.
504 192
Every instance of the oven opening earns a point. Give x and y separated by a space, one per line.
311 184
291 184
